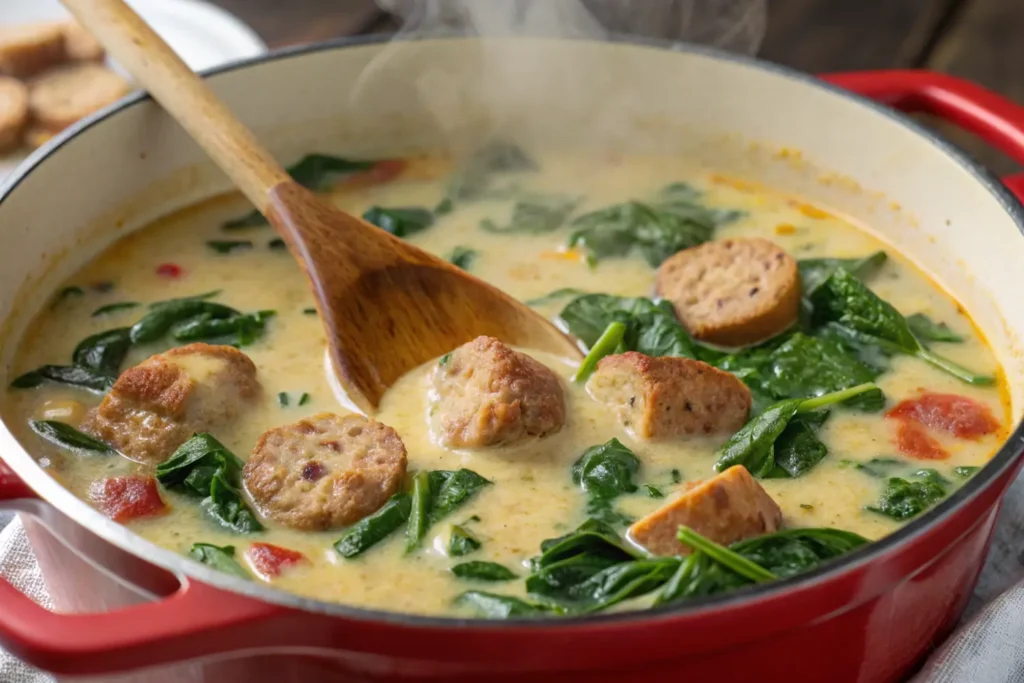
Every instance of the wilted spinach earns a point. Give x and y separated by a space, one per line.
876 467
479 178
651 328
103 352
604 472
927 330
495 606
557 294
756 445
66 436
114 308
534 217
437 494
238 330
482 571
462 257
165 315
608 343
902 499
221 558
373 529
228 246
461 542
65 374
204 467
400 222
814 271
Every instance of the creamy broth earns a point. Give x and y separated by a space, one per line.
532 496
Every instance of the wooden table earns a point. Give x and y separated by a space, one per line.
982 40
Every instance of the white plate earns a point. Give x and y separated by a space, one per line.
205 36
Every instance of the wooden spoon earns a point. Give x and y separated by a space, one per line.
387 306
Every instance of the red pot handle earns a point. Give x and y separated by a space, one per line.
194 621
977 110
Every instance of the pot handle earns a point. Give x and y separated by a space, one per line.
990 116
194 621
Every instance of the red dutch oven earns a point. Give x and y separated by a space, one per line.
870 617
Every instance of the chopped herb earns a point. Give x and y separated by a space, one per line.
652 491
373 529
443 360
555 296
103 352
204 467
926 329
282 399
482 571
304 399
276 244
221 558
463 257
66 436
400 222
309 311
461 542
677 476
113 308
805 506
901 499
74 291
64 374
228 246
781 441
606 344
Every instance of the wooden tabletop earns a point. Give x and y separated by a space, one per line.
982 40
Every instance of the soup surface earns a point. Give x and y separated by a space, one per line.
865 469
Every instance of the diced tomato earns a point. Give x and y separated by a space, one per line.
957 415
126 498
171 270
270 560
381 172
914 441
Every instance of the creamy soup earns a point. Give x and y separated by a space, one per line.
914 435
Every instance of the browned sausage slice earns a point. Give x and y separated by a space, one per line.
729 507
64 95
732 292
325 471
13 112
667 397
27 49
487 394
157 405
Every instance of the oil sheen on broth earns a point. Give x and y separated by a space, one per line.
532 496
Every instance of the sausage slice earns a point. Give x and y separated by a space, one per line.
732 292
13 112
27 49
64 95
79 45
667 397
729 507
325 471
487 394
157 405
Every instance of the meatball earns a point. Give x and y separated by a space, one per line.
732 292
325 471
487 394
729 507
667 397
157 405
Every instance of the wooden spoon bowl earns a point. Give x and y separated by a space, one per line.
386 305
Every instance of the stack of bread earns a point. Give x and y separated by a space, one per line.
51 75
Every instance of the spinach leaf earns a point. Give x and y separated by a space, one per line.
463 257
316 172
482 571
71 292
814 271
609 341
221 558
114 307
202 296
932 475
844 302
204 467
606 470
419 514
754 445
502 606
651 328
400 222
277 244
237 330
901 499
103 352
461 542
619 582
162 316
555 296
449 490
798 449
876 467
926 329
730 559
228 246
479 177
593 537
66 436
64 374
965 472
533 217
652 491
656 230
373 529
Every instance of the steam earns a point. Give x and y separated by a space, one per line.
479 93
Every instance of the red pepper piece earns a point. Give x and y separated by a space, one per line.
270 560
126 498
170 270
960 416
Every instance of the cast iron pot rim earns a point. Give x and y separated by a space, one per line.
180 565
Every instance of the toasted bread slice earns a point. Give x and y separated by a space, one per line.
79 45
729 507
13 112
62 96
667 397
27 49
732 292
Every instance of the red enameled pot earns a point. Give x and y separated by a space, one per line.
836 140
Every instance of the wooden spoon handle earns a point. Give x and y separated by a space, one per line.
156 66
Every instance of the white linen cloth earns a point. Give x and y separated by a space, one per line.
987 647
